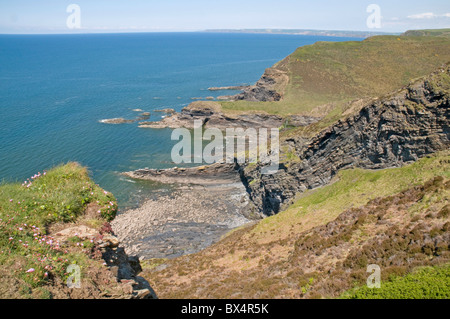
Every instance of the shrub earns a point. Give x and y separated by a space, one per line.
424 283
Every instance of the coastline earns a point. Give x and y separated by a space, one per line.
208 201
316 161
189 220
329 33
179 222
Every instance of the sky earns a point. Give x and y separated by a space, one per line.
99 16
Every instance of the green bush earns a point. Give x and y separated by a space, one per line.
423 283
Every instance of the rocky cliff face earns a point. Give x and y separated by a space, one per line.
210 115
388 132
269 88
120 276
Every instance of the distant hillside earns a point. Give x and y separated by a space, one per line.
434 33
329 33
325 77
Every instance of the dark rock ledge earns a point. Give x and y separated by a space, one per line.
210 115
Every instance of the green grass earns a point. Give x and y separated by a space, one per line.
59 196
429 32
27 210
354 188
423 283
335 73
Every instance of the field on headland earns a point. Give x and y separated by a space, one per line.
326 76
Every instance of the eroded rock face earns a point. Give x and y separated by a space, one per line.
214 174
119 279
268 89
142 117
389 132
209 115
81 232
126 270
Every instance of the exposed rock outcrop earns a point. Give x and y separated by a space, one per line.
118 120
120 266
167 111
389 132
205 175
210 115
231 88
126 270
269 88
142 117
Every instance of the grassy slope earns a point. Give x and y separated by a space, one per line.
262 261
423 283
429 32
354 188
325 76
61 196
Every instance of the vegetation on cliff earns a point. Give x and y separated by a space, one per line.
423 283
321 246
341 216
51 221
383 104
390 131
326 76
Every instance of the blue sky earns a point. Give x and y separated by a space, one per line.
49 16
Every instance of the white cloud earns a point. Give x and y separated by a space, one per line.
428 15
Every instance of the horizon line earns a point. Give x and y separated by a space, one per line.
221 30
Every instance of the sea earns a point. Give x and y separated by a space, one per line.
56 89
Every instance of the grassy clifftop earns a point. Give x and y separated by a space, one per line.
33 263
326 76
430 32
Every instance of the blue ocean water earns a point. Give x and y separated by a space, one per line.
54 89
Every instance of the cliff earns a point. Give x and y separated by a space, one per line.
55 223
389 132
321 248
270 88
365 185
